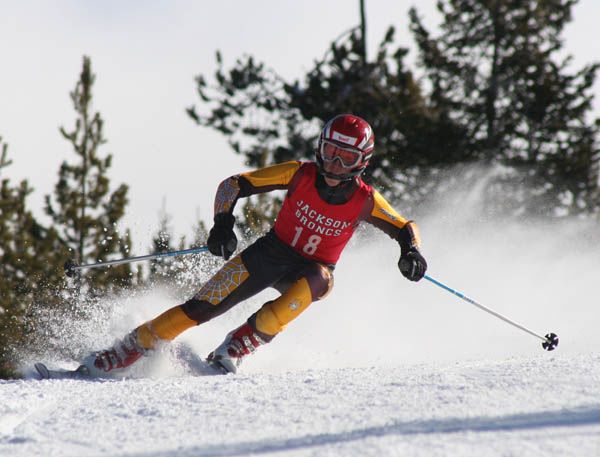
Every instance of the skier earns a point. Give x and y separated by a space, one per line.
325 201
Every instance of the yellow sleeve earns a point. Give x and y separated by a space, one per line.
384 217
275 175
383 210
253 182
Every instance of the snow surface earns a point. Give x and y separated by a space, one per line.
380 367
515 407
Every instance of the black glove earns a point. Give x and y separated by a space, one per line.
412 264
221 239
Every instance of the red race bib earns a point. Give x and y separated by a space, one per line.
314 228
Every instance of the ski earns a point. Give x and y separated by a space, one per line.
183 355
80 373
216 367
195 364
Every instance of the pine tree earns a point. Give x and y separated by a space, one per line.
160 269
177 273
31 259
85 212
200 234
412 137
270 120
495 68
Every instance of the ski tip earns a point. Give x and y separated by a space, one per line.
42 370
82 372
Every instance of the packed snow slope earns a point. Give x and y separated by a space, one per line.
382 366
516 407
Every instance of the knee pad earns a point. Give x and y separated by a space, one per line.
274 316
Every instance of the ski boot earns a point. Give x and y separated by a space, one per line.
123 354
238 344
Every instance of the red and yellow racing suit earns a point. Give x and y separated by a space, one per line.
297 256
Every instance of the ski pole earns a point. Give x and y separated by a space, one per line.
71 267
549 341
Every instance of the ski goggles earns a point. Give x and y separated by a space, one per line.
348 157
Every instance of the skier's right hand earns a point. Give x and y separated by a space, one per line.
222 241
412 264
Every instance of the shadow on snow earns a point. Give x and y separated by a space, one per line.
517 422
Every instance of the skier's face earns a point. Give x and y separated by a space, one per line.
338 160
335 168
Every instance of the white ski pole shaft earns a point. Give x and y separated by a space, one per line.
546 339
71 267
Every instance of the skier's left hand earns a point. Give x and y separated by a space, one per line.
412 264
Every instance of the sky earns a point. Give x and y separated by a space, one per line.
145 55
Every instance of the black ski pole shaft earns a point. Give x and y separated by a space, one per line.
71 267
549 342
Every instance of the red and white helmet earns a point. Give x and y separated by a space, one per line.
349 140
